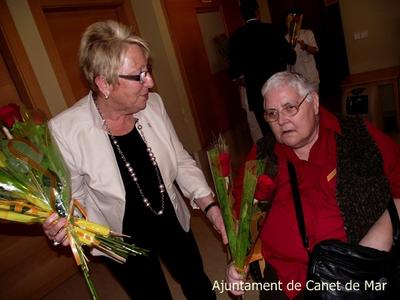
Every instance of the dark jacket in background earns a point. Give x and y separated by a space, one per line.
258 50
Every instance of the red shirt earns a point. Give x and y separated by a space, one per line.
282 244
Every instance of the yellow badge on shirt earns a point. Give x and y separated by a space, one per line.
331 175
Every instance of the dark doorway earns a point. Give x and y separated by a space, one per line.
323 18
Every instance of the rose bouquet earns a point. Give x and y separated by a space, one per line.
241 228
34 183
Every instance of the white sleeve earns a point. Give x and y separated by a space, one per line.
189 177
77 182
309 39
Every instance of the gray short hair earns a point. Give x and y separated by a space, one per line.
101 50
290 79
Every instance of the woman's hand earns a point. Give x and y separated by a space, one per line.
54 229
235 280
213 214
215 217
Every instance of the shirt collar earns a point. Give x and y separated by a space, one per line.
97 120
327 120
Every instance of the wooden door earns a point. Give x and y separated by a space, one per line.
323 18
61 24
8 91
23 247
29 267
18 83
200 30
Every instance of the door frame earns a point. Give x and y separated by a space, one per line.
18 64
202 91
39 8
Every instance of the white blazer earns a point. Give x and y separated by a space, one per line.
95 177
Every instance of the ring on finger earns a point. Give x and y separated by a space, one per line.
55 243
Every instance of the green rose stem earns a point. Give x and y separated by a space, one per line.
252 170
223 199
238 232
120 247
83 263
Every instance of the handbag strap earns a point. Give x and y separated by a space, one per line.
394 216
297 205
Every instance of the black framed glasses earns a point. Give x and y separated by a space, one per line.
141 77
288 110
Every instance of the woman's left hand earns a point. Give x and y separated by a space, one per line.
55 229
215 217
213 213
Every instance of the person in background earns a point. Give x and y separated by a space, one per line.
256 51
125 157
303 42
340 199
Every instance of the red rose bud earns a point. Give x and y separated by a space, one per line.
37 117
9 114
265 187
225 163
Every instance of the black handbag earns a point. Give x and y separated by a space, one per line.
339 270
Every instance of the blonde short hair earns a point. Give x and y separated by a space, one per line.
102 47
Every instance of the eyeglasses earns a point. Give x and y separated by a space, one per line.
288 110
141 77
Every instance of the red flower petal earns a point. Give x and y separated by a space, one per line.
225 163
264 189
9 114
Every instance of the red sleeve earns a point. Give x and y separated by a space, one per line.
237 189
391 157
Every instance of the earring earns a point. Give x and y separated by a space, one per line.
106 96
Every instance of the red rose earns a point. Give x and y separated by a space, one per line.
37 117
265 187
225 163
9 114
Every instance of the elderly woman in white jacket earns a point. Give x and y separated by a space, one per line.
125 158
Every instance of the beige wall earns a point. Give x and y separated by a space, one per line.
26 27
381 49
381 18
153 27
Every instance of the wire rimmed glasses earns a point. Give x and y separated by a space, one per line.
288 110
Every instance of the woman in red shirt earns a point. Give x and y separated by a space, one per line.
306 135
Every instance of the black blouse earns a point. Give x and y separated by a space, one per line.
139 221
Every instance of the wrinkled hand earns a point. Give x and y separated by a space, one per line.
54 229
234 279
215 217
